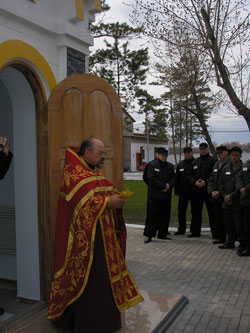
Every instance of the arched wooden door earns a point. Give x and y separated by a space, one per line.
83 106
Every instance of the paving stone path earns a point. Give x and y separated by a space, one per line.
216 282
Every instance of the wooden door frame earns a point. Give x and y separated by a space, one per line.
45 241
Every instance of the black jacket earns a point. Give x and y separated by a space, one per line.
145 172
159 174
5 161
243 180
201 168
228 185
182 185
214 181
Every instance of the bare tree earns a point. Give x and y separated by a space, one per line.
218 28
186 78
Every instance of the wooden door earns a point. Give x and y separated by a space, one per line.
80 107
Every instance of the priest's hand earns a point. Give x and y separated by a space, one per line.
116 202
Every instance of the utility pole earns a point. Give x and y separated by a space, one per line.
147 131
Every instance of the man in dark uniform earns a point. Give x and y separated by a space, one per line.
213 189
183 189
145 179
198 174
5 160
232 208
243 185
161 178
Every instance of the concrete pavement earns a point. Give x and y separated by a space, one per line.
133 175
216 282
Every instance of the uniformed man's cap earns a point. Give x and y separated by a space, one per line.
162 151
203 145
235 148
187 150
220 149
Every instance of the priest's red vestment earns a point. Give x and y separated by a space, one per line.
84 201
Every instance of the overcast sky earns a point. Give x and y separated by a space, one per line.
223 127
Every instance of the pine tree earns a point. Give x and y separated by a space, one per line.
155 117
123 68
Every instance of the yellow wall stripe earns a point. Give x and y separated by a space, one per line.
98 5
79 9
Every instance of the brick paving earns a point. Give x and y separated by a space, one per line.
216 282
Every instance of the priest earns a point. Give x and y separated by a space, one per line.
92 284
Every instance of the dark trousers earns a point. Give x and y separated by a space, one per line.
219 218
146 220
246 225
235 225
201 196
183 201
158 217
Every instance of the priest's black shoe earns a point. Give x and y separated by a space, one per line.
1 311
193 235
179 233
147 240
218 241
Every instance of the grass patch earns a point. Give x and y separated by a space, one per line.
135 208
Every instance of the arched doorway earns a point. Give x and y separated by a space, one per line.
24 118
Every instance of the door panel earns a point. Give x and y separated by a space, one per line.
101 112
101 117
108 168
71 117
80 107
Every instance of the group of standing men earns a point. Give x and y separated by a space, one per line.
223 184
